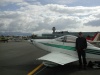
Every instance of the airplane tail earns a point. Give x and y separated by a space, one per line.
96 37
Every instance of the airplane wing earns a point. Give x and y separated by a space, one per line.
96 41
58 58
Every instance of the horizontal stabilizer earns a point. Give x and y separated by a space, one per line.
58 58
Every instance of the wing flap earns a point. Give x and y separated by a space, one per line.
58 58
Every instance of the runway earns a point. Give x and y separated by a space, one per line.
19 58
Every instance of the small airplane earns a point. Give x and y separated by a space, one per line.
62 50
95 39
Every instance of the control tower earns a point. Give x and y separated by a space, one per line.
54 29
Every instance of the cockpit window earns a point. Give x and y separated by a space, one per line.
67 38
60 38
71 38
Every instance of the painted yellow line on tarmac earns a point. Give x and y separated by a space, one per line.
33 71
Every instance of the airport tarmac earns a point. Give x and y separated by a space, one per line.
19 58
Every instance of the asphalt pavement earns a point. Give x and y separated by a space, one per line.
19 58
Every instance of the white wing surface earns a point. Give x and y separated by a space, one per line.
59 58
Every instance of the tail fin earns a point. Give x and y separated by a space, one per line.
96 36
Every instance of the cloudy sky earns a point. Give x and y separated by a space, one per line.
39 16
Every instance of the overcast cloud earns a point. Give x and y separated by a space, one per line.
39 16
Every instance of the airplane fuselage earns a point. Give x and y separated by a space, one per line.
52 45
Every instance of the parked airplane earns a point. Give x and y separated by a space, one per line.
62 50
95 39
